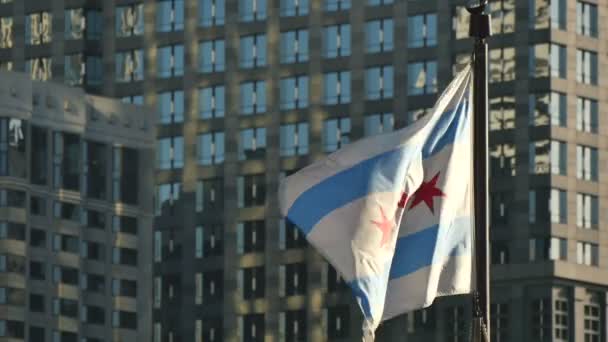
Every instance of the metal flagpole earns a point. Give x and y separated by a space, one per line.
480 29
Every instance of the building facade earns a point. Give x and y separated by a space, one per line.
249 91
75 211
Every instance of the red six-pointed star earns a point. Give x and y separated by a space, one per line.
385 226
427 192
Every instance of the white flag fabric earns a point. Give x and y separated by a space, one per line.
392 213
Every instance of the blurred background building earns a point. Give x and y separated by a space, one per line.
249 91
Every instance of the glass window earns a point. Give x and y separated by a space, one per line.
171 106
166 197
250 237
548 156
169 15
6 32
379 82
336 320
124 320
210 148
208 241
336 41
94 174
6 65
211 12
93 314
502 113
74 70
548 109
252 51
503 16
294 139
336 87
558 14
502 65
252 10
422 77
558 206
209 195
211 102
586 115
336 5
93 250
130 20
130 66
251 281
292 279
422 30
93 24
294 92
502 160
251 190
125 175
253 97
212 56
124 224
133 99
379 35
290 236
294 46
13 137
460 22
586 19
12 231
37 238
547 60
170 61
75 23
124 288
170 153
587 211
586 67
587 253
12 329
378 123
65 275
66 243
38 28
587 166
38 205
93 70
379 2
66 161
553 248
294 8
336 133
39 68
252 143
124 256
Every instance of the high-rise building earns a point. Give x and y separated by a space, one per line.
248 91
76 176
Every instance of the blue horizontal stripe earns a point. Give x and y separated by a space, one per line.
421 249
382 173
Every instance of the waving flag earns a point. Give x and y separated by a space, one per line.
392 212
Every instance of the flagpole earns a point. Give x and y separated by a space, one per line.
480 29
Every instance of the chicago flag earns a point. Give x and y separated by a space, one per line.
392 213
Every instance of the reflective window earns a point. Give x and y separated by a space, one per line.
124 256
124 224
503 16
294 8
336 133
586 19
378 123
502 113
252 51
95 157
65 307
129 66
169 15
211 102
94 24
75 23
210 148
209 195
290 236
586 115
547 205
251 190
587 211
130 20
211 330
547 60
379 82
250 237
38 206
586 67
66 211
253 97
92 314
208 241
379 35
548 109
336 5
133 99
422 78
171 106
294 92
251 281
92 250
587 166
170 153
166 197
460 22
6 32
38 28
252 143
502 65
40 68
12 231
294 139
587 253
37 238
545 14
125 175
74 70
460 61
65 275
252 10
292 279
336 41
64 336
13 138
553 248
336 87
37 270
212 57
211 12
124 320
6 65
422 30
124 288
379 2
94 70
548 156
208 288
66 161
170 61
12 198
503 160
294 46
337 321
